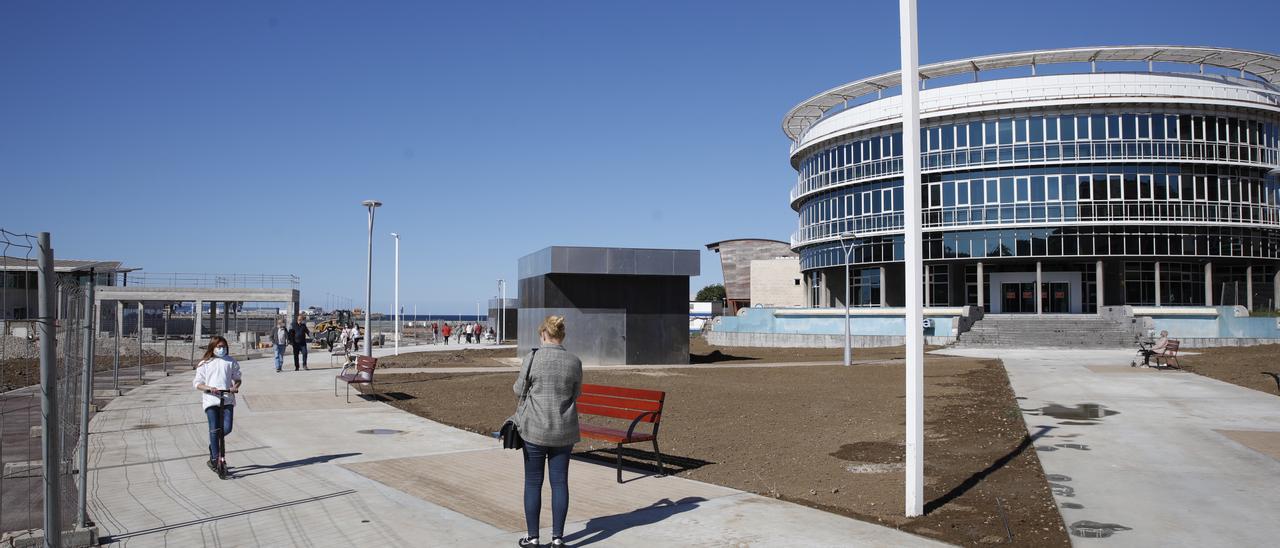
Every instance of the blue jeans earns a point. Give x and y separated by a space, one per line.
279 356
557 461
218 415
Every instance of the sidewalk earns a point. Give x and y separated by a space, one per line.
1138 457
315 471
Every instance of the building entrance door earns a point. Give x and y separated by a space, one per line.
1056 297
1018 297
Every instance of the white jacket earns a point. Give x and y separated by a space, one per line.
220 373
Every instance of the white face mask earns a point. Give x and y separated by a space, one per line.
220 351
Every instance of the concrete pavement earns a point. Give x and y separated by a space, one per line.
314 471
1138 457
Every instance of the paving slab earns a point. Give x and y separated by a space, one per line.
1138 457
312 472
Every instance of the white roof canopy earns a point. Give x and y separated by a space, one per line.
1265 66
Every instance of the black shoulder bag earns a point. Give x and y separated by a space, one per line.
510 433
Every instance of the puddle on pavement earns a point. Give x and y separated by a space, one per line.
1046 448
1081 412
1062 490
1077 446
1057 477
1093 529
380 431
1072 506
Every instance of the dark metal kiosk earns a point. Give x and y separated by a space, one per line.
621 305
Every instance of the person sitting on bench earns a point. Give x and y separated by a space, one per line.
1156 349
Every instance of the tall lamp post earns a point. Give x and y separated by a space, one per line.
368 285
848 340
397 298
914 469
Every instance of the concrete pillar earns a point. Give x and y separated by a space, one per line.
141 314
1157 283
928 286
1248 287
292 311
1098 283
1208 284
120 318
213 317
982 287
883 294
1039 285
197 319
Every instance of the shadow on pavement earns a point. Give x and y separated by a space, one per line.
643 462
601 528
264 468
716 356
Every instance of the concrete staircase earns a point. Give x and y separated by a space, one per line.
1049 330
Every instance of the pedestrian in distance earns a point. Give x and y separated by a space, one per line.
280 338
298 333
355 337
435 333
445 331
469 329
549 384
218 378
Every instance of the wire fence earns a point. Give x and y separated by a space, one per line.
43 410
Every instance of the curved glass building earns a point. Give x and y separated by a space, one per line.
1052 181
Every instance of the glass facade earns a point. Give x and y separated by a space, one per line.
1064 188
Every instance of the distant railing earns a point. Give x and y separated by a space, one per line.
185 279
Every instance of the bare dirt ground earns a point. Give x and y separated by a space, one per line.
701 352
828 437
470 357
17 373
1238 365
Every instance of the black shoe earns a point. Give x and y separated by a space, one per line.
557 542
211 465
528 541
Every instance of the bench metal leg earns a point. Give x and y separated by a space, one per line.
662 471
619 452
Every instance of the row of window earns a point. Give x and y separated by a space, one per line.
1087 193
1047 138
1082 241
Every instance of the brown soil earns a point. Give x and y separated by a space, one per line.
451 358
17 373
1238 365
701 352
798 433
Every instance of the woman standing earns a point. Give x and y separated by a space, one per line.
548 420
218 377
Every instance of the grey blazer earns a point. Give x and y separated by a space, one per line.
549 416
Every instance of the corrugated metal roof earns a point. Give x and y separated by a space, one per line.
62 265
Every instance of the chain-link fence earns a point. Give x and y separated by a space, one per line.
43 410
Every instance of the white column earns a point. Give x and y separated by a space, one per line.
1157 283
982 287
884 300
1039 284
1098 277
914 469
198 319
1248 287
1208 284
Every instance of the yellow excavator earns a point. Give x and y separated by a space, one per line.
327 332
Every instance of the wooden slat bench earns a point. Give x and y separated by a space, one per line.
1170 355
363 374
628 404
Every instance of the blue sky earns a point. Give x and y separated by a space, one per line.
241 136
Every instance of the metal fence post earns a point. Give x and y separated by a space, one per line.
167 308
141 312
82 516
50 428
115 364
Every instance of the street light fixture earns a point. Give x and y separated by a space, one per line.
368 286
848 340
397 298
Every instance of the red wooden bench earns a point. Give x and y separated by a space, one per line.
1170 354
363 374
628 404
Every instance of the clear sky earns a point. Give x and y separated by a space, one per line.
242 136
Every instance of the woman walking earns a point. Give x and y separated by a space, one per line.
547 417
